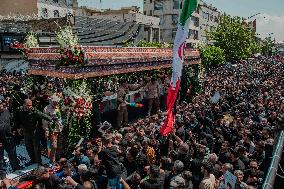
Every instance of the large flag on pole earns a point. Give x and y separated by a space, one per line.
188 7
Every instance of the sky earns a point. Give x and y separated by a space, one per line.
271 19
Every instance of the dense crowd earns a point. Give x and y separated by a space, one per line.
212 139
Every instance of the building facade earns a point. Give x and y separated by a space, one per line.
209 19
204 18
37 8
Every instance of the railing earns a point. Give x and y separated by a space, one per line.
102 61
272 172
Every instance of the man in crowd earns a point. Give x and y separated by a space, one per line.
109 159
79 157
122 113
53 129
208 181
153 91
28 119
7 140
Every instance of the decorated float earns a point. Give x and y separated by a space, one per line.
87 73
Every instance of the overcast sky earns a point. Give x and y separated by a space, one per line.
271 19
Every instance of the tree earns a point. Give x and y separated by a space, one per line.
268 46
234 37
212 56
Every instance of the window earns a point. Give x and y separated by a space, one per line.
176 4
162 20
189 33
151 13
7 41
145 13
175 19
216 19
193 34
56 13
205 16
44 12
158 5
55 1
69 3
145 1
174 32
195 21
151 1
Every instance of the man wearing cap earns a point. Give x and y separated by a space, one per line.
53 129
28 119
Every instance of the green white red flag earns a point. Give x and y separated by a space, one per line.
188 7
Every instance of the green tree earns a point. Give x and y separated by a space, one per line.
212 55
268 46
234 37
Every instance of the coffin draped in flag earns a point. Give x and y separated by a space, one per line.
188 7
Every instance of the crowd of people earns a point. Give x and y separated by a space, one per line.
232 135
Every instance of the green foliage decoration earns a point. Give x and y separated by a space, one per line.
212 56
143 43
77 124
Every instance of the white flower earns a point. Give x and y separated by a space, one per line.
66 38
30 40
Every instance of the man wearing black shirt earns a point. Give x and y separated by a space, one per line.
29 119
109 159
235 160
154 179
6 139
130 161
253 175
50 181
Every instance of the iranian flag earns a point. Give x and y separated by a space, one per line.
188 7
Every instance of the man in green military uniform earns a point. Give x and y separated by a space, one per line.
29 120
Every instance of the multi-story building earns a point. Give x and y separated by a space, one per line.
209 19
37 8
204 18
